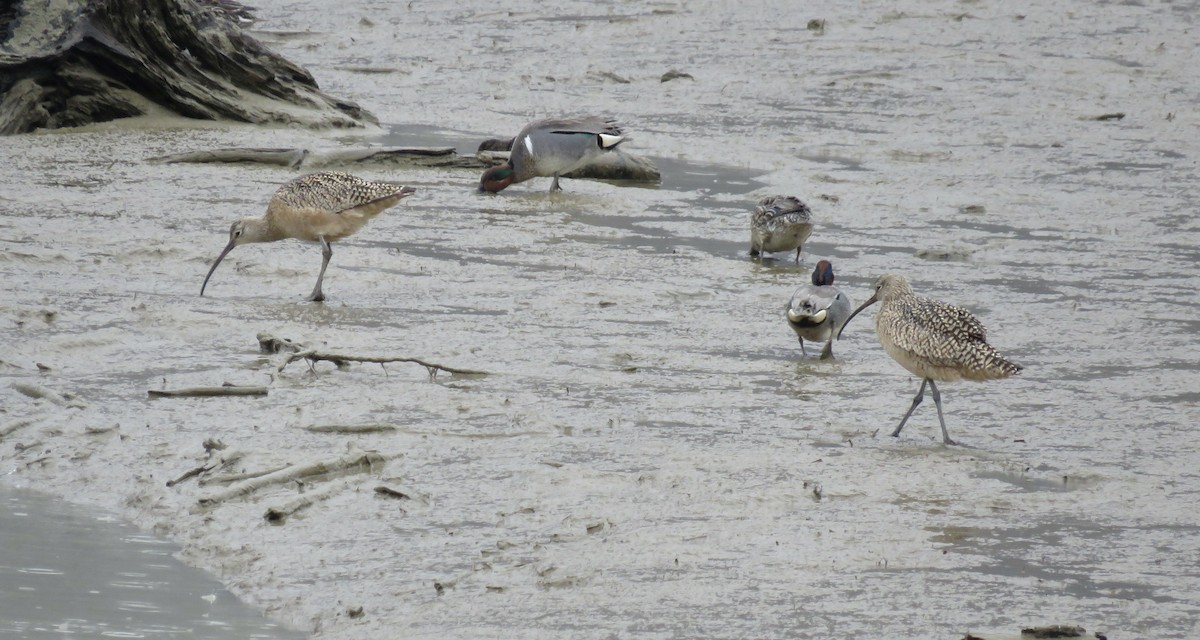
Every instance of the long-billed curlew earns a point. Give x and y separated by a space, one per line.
816 311
548 148
933 340
779 223
318 207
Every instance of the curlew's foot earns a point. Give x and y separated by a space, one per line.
317 297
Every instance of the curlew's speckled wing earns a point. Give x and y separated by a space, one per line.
329 205
332 192
940 335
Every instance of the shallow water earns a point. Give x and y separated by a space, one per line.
651 457
77 571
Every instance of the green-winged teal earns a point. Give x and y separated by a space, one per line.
551 148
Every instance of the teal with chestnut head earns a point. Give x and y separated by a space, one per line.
551 148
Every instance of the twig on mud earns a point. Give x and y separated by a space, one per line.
313 356
208 392
191 473
238 477
221 460
349 428
268 343
384 490
354 461
277 514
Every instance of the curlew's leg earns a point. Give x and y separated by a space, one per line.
802 351
916 401
554 185
937 401
827 352
326 254
798 254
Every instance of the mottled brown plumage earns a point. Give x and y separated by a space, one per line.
933 340
319 207
779 223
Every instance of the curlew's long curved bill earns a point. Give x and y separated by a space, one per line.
870 301
229 247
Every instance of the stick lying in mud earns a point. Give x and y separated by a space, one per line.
224 459
268 343
392 493
407 157
349 428
279 513
208 392
354 461
313 356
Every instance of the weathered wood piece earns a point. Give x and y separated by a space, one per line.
208 392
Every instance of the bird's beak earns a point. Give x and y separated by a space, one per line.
870 301
229 247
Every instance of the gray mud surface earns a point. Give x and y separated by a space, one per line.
651 456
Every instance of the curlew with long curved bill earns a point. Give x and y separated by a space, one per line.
319 207
935 341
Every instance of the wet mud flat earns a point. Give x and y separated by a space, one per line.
648 454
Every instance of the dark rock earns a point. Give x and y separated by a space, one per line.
675 75
73 62
496 144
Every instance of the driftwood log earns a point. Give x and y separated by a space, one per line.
37 391
615 166
208 392
280 512
355 461
67 63
295 158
